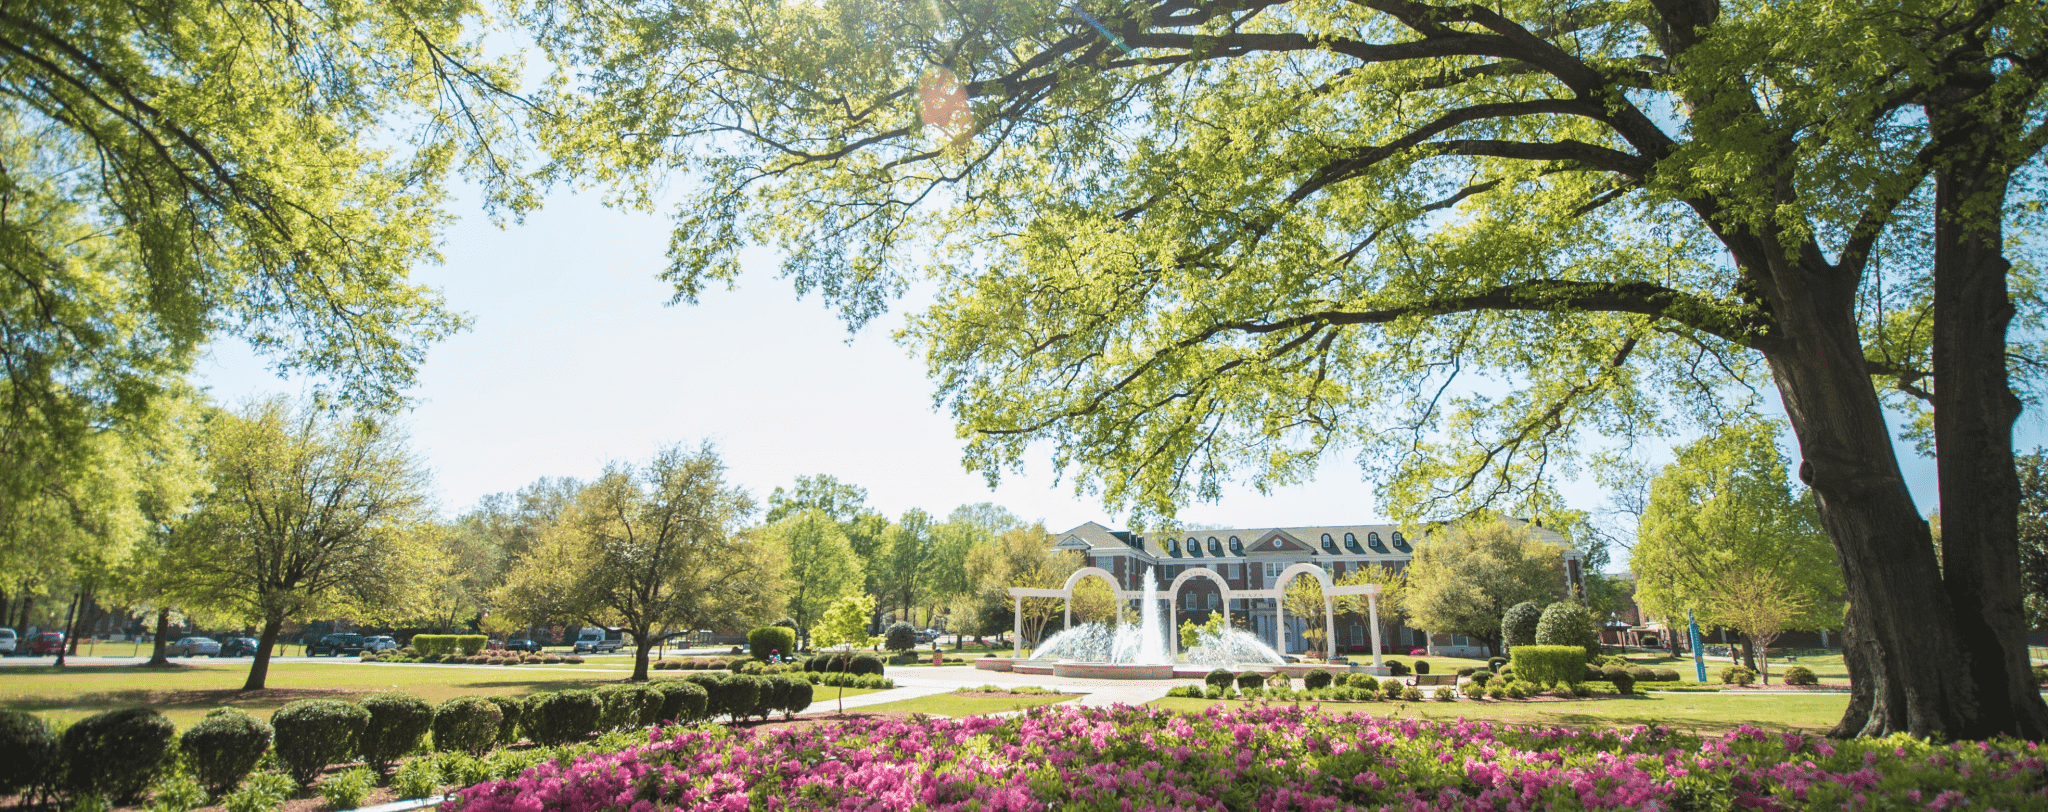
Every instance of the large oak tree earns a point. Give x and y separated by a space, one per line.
1179 239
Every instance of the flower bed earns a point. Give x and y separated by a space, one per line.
1266 758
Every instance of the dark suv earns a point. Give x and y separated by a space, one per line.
523 644
337 645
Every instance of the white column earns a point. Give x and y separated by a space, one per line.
1372 609
1173 625
1070 613
1017 629
1279 626
1329 626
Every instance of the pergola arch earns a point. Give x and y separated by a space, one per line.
1173 602
1279 591
1115 589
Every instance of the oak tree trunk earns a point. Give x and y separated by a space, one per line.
259 668
156 648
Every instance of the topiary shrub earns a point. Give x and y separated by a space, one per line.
1444 693
770 696
1392 687
1516 690
1480 678
1518 625
513 709
314 733
801 695
1397 668
28 753
625 705
1593 673
1421 666
734 696
1666 675
1644 673
1220 678
1737 675
1251 679
1316 678
470 644
1411 694
682 700
899 637
224 747
1800 675
467 724
1495 664
562 717
781 640
115 754
867 664
1497 692
1567 623
1624 682
1549 665
397 723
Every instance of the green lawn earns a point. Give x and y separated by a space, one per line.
1704 712
956 705
187 693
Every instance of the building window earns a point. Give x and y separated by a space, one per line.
1460 640
1215 601
1357 634
1235 545
1192 599
1272 570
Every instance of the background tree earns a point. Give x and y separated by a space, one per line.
1191 237
1760 604
909 561
1518 625
312 512
1393 599
1026 558
2033 518
1303 599
821 566
1094 601
655 550
1726 509
1463 578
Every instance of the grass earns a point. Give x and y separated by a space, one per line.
185 694
1701 712
956 705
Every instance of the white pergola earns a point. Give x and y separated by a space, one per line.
1172 594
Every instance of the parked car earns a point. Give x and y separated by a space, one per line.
238 647
46 643
336 645
8 641
188 646
523 644
594 640
382 642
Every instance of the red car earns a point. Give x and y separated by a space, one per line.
47 643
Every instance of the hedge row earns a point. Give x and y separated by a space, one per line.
1550 665
445 644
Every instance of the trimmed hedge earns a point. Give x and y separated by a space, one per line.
1220 678
513 708
448 645
28 752
627 706
768 640
397 724
224 747
314 733
1800 675
801 694
1316 678
562 717
116 754
1548 665
1397 668
737 696
467 724
1421 666
1624 682
1251 679
1518 625
1567 623
682 700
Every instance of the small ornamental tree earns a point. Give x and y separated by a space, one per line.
900 637
1566 623
1518 625
845 624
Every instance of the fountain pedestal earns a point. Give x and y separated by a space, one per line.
1070 668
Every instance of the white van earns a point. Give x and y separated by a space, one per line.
599 641
8 640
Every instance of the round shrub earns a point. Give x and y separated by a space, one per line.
562 717
1466 672
1369 692
1495 664
899 637
1800 675
1518 624
397 723
1567 623
467 724
1480 678
1593 672
1444 693
314 733
224 747
800 696
1397 668
1624 682
1737 675
1361 680
1251 679
626 705
736 696
1644 673
1421 666
1666 675
1411 694
1392 687
779 640
867 664
28 752
512 708
1505 672
683 701
1516 690
773 690
1316 678
115 754
1220 678
1497 692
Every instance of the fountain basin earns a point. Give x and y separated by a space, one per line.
1031 667
994 663
1069 668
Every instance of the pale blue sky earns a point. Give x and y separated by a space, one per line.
575 360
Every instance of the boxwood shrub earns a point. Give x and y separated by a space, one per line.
767 640
1737 675
682 700
627 705
1624 682
1397 668
28 752
773 691
562 717
314 733
513 708
1421 666
1549 665
867 664
736 696
1251 679
801 694
1316 678
1220 678
397 723
116 754
467 724
224 747
1800 675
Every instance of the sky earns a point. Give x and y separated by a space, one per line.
575 360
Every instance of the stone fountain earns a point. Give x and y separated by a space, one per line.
1120 650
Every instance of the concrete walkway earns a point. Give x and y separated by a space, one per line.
912 683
